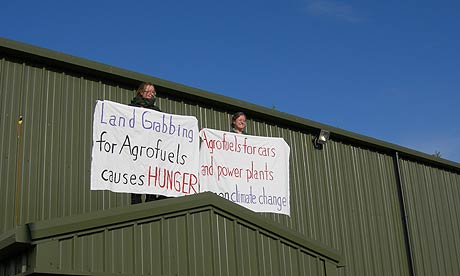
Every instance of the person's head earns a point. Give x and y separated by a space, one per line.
239 122
146 90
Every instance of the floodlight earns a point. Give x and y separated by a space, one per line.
322 138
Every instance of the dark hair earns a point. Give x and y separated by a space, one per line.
235 116
142 87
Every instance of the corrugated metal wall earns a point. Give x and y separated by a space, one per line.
433 204
344 196
55 155
10 80
197 242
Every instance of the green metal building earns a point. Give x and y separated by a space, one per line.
359 206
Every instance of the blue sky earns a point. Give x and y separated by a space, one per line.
385 69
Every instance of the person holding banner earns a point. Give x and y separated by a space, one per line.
145 98
238 123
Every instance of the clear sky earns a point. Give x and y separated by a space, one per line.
385 69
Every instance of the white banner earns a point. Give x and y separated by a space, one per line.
139 150
251 171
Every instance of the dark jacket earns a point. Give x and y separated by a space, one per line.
139 101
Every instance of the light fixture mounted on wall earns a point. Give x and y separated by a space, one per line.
322 139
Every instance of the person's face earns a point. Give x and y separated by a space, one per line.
240 123
148 92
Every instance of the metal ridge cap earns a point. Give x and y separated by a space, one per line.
250 108
112 217
269 226
95 66
391 147
103 218
64 58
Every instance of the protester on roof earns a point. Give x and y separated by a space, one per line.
238 123
145 98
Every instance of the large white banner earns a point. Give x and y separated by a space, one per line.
251 171
139 150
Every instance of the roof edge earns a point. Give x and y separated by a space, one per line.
193 203
113 72
14 241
